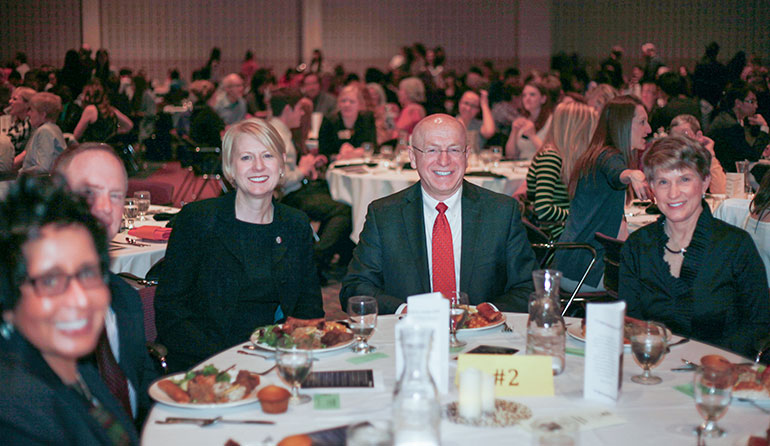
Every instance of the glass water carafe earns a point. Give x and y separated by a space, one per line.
546 332
416 409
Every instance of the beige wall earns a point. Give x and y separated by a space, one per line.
157 34
681 29
44 29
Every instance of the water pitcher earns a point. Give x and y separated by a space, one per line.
416 409
546 332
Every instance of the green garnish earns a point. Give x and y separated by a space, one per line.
223 378
209 370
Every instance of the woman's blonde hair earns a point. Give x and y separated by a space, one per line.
571 128
259 129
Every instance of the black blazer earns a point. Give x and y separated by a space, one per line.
333 133
391 260
721 295
202 272
135 361
37 408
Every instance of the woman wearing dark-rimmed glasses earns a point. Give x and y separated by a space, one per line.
53 298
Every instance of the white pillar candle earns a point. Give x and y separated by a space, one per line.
487 393
469 401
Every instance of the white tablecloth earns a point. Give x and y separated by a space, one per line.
137 260
655 415
359 186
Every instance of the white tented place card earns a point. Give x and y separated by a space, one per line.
429 310
604 351
734 185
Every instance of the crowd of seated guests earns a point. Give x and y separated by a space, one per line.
584 128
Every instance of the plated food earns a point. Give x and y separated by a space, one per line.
483 315
579 333
310 334
752 383
480 317
206 387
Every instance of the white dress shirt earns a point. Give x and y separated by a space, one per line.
454 215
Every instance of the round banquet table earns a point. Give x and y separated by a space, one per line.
351 182
656 414
137 260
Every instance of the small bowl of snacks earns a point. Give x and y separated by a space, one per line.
274 399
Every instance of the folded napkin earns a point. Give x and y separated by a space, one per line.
156 233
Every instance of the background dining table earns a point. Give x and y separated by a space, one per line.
126 257
358 184
657 414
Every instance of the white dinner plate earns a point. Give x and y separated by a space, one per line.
576 332
402 307
161 397
254 337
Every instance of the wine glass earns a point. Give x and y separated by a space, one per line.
130 212
458 312
362 311
497 155
142 202
486 158
294 366
712 387
368 151
648 344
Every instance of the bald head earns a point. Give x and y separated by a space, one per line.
439 155
233 85
435 122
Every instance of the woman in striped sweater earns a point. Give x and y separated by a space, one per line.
571 128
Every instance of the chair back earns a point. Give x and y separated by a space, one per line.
148 307
539 241
160 193
612 247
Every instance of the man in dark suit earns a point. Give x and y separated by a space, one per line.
94 171
405 247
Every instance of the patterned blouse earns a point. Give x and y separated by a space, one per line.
547 192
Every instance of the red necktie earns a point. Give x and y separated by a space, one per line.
111 373
443 254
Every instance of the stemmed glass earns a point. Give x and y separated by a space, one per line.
648 344
486 158
368 151
143 202
458 312
712 388
362 311
497 155
294 365
130 212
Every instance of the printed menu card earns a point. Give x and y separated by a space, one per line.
429 310
604 351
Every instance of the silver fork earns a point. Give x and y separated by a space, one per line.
507 328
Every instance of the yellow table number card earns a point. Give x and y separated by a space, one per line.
525 375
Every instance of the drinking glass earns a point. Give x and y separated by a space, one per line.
362 311
648 344
142 202
497 155
712 388
130 212
386 156
294 365
458 312
486 158
368 151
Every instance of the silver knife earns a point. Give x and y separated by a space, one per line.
209 421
